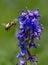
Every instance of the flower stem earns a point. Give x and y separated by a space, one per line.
25 60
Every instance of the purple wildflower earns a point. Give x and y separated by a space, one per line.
33 59
22 61
33 44
29 30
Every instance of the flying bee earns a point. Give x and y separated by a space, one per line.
9 25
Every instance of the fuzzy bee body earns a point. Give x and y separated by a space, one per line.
9 25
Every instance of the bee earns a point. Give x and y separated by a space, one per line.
9 25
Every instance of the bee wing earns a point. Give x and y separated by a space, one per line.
3 24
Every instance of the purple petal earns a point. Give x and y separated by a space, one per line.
22 61
32 44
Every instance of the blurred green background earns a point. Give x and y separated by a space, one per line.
9 10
